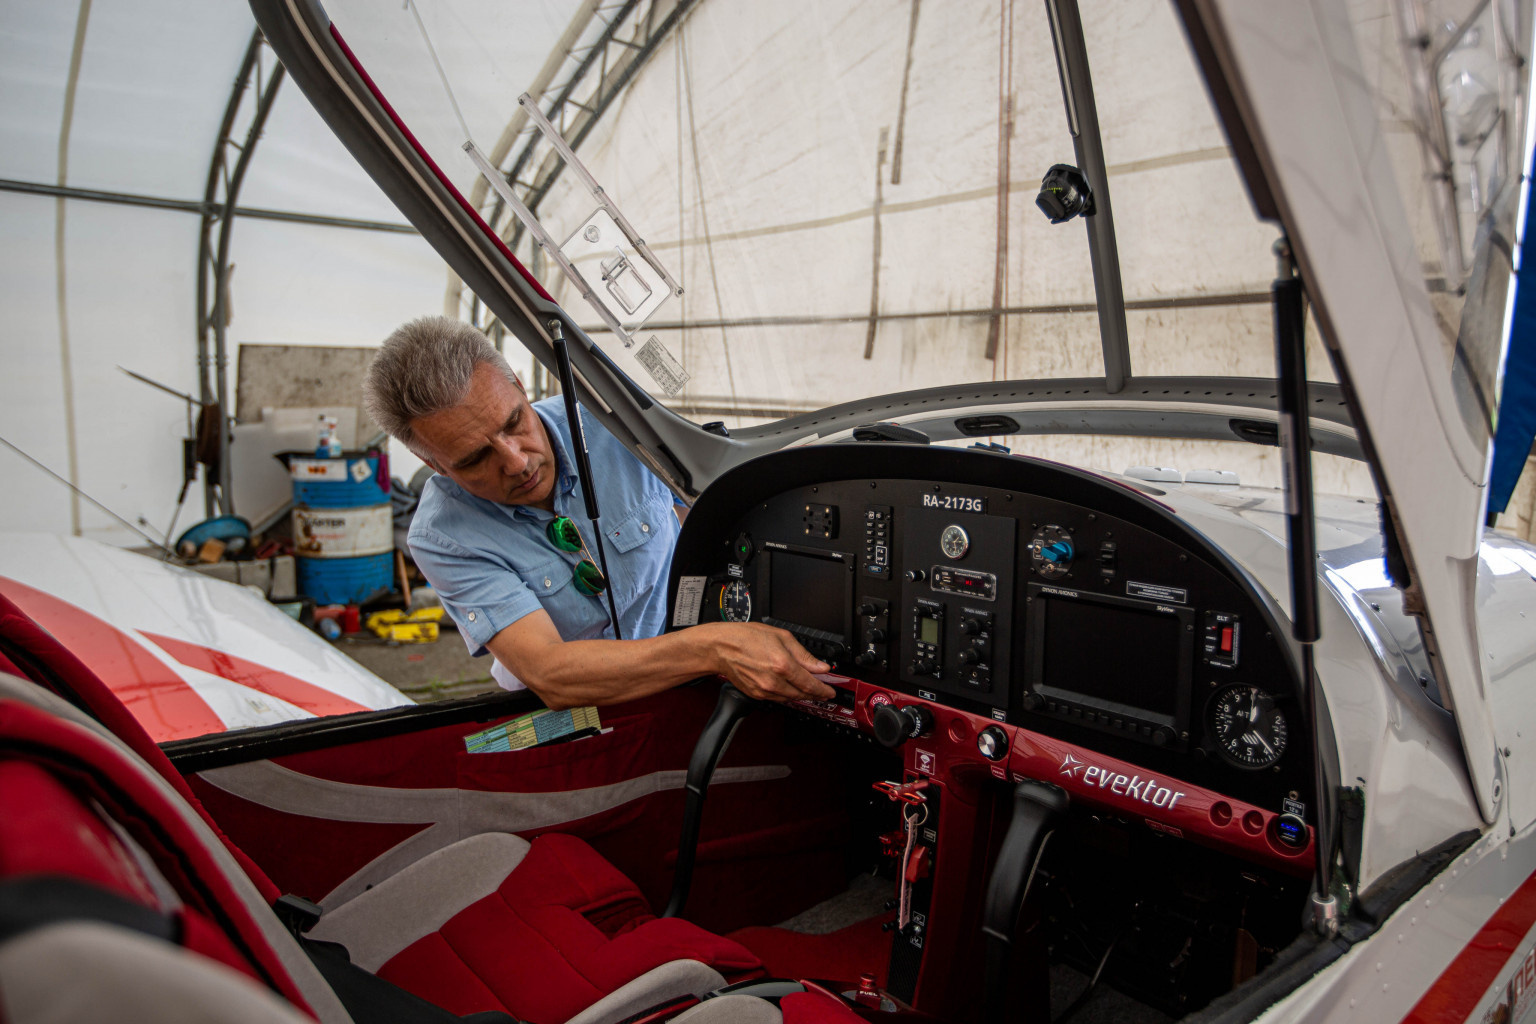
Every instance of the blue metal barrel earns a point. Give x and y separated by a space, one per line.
343 528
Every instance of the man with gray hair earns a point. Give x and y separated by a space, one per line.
500 533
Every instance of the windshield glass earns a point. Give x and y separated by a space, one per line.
845 192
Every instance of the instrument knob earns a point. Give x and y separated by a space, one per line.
923 667
869 609
969 656
875 636
980 647
865 659
1162 736
894 726
993 743
1033 701
915 575
833 653
970 627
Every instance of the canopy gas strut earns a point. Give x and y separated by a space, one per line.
1301 537
1037 807
730 709
583 464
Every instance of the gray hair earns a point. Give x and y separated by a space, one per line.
423 368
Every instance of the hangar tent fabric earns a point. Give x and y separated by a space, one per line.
125 98
845 191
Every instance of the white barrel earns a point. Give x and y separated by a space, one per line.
343 532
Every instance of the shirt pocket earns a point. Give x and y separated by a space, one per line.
637 527
576 615
642 558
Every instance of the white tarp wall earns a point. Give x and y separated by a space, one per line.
119 282
757 152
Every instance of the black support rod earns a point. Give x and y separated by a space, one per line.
1301 538
1083 122
583 463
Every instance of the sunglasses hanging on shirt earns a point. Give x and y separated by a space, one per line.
564 534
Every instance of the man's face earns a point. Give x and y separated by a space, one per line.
492 443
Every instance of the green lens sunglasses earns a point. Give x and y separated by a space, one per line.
563 534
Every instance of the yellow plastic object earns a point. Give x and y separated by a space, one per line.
419 627
410 632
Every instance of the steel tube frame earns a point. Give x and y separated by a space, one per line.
605 95
213 262
194 206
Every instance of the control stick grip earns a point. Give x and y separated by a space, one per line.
1037 807
730 709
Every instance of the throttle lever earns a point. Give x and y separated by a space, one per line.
1037 808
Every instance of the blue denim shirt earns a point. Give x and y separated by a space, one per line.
493 563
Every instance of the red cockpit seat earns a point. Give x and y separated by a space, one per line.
541 932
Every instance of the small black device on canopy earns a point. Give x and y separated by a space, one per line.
1064 193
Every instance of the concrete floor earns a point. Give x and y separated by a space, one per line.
423 672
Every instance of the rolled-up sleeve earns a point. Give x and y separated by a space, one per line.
482 597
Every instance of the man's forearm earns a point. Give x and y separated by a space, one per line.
763 662
580 672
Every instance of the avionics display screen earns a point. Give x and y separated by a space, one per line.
809 591
1124 656
928 630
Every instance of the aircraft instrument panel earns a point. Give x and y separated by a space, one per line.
1017 591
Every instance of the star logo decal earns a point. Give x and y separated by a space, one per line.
1071 765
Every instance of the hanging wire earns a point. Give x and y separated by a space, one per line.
698 175
441 74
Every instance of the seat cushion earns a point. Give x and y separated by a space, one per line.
540 930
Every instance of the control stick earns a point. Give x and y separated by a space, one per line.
1037 807
730 709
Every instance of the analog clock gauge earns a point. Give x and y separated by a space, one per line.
1250 731
954 543
736 602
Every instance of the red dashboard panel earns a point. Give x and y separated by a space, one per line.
1166 804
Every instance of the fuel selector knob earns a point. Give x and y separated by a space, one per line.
894 726
1052 551
993 743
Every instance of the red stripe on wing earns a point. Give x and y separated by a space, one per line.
295 691
162 701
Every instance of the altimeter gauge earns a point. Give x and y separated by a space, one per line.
736 601
1250 731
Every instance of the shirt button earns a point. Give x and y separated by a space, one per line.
645 527
546 582
471 616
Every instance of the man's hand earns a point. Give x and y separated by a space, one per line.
764 662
